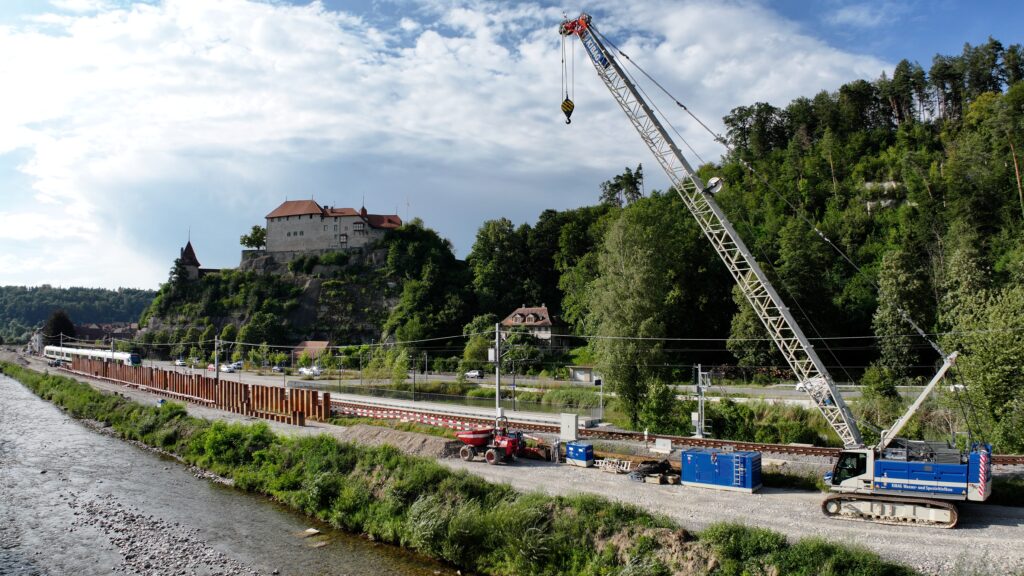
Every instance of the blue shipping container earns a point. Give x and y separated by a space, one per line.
579 454
716 468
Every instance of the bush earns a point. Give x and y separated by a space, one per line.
334 259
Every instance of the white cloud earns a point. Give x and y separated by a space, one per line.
80 5
868 15
142 120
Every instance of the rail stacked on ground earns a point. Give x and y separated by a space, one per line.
293 406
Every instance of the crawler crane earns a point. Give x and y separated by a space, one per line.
895 481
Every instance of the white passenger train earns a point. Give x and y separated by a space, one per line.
65 354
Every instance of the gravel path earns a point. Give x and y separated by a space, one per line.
988 540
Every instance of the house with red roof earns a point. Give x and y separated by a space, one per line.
534 319
305 226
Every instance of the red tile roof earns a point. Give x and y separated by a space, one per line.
304 207
541 317
340 212
296 208
383 220
312 347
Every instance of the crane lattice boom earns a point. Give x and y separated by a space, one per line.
776 317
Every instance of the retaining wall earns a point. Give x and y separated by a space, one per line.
268 402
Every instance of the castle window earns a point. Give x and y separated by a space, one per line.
325 228
335 228
302 233
288 234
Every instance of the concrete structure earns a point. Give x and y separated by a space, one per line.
582 374
305 226
534 319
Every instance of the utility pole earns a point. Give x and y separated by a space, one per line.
497 371
703 383
216 358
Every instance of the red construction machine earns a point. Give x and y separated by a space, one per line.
498 444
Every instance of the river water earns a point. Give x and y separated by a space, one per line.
75 501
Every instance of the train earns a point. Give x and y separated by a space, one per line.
66 354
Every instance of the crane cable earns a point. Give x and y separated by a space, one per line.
904 314
729 148
568 81
691 148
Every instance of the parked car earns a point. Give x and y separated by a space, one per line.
179 362
277 369
229 368
237 365
210 367
310 371
475 374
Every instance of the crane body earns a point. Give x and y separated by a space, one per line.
897 481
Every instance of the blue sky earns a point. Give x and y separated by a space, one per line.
126 125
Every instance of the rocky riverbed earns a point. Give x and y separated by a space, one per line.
150 545
73 501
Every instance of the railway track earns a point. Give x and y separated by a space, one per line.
463 422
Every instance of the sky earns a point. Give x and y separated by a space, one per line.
128 127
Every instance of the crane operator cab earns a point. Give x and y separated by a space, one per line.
852 471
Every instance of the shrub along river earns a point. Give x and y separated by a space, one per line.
75 501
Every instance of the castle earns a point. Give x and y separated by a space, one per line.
305 226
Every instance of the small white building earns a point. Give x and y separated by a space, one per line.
304 225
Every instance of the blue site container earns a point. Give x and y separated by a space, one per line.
725 470
579 454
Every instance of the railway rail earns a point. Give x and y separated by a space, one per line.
462 422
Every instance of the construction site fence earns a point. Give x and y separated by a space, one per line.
291 406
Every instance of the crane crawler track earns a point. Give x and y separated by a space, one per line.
890 510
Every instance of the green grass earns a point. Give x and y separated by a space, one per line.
808 481
450 515
395 425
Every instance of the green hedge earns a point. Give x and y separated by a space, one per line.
453 516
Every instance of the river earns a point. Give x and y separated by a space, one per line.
75 501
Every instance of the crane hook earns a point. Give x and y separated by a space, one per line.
567 107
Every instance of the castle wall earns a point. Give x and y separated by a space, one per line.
309 232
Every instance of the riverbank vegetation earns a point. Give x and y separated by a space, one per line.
453 516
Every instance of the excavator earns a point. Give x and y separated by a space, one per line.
896 481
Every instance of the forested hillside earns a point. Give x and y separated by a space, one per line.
878 206
884 200
22 309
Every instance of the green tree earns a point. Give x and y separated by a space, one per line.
623 189
255 239
228 334
901 296
502 279
629 259
58 324
398 361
